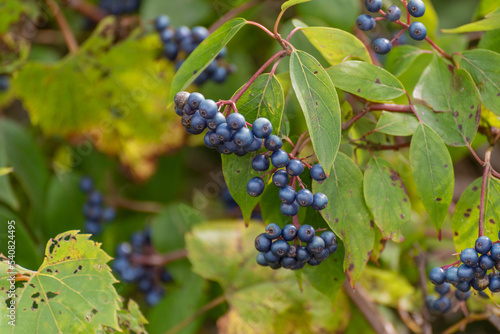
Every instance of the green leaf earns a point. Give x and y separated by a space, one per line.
490 22
204 54
291 3
386 287
319 101
347 214
483 66
466 216
490 41
72 291
446 88
432 172
131 321
397 124
334 44
455 129
366 80
401 58
10 10
387 198
7 194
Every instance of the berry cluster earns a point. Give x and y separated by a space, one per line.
227 135
4 83
120 7
179 43
470 271
276 252
416 30
93 210
148 278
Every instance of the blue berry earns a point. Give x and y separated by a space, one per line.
313 262
287 195
187 110
483 245
120 264
154 295
441 305
323 255
273 143
306 233
219 75
162 22
465 273
463 286
165 276
316 245
295 167
260 163
280 178
317 173
469 257
86 184
333 248
108 214
442 289
495 252
462 295
170 51
224 133
195 99
479 284
302 254
451 275
289 232
124 249
329 238
262 127
479 272
217 120
230 146
179 111
95 198
92 227
280 248
292 251
262 243
304 197
275 265
365 22
417 31
214 140
206 139
199 33
273 231
382 46
193 131
494 285
243 137
255 145
255 186
486 262
320 201
261 260
198 123
437 276
280 158
270 258
393 13
416 8
181 33
288 262
167 35
208 108
241 152
222 53
289 209
201 79
235 121
4 82
373 5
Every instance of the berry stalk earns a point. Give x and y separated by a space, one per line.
486 176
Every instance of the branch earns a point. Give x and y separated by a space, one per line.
232 14
465 321
159 259
139 206
391 107
91 11
63 24
486 176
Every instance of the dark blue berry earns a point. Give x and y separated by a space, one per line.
280 158
382 46
145 284
262 127
393 13
262 243
120 264
260 163
167 35
154 295
273 143
373 5
275 265
108 214
417 31
187 110
463 286
313 262
214 140
170 51
481 283
179 111
280 178
416 8
494 285
320 201
462 295
208 108
306 233
287 195
437 276
224 133
271 257
483 245
289 209
218 119
243 137
451 275
198 123
298 265
280 248
442 289
469 257
255 186
206 139
288 262
465 273
194 131
92 227
441 305
4 82
486 262
261 260
86 184
255 145
123 249
479 272
316 245
201 79
199 33
365 22
329 238
181 33
323 255
195 99
241 152
495 252
95 198
235 121
273 231
304 197
317 173
292 251
165 276
302 254
332 249
289 232
162 22
295 167
219 75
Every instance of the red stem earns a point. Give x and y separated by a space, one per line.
296 222
231 14
267 31
391 107
486 175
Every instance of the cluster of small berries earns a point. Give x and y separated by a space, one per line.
4 83
227 135
148 278
416 30
94 212
472 271
276 252
120 7
181 42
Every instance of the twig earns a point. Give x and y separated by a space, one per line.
231 14
356 117
364 39
91 11
63 24
159 259
299 143
465 321
486 176
139 206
